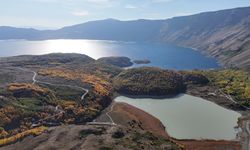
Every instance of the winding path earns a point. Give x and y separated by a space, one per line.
64 85
61 111
248 132
108 113
229 97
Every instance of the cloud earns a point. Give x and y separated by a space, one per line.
46 1
92 2
130 6
182 14
161 1
99 1
81 13
102 3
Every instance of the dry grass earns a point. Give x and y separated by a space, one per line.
101 85
22 86
12 139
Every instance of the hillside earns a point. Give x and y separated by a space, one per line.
94 138
225 35
233 82
68 91
57 97
149 81
52 89
111 29
18 33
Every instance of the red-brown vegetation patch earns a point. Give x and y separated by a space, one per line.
210 145
128 115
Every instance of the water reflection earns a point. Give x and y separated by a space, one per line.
161 55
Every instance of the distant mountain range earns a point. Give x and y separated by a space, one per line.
222 34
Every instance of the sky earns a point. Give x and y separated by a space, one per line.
52 14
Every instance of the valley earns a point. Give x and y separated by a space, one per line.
75 90
125 75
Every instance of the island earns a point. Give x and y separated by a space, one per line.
116 61
143 61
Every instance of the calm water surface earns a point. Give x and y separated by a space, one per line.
189 117
161 55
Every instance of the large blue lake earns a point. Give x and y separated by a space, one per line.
161 55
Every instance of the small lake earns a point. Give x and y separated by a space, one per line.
189 117
161 55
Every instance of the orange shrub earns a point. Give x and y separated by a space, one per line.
101 85
22 86
36 131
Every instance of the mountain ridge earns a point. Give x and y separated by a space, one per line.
222 34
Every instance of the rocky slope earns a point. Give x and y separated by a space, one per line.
222 34
93 137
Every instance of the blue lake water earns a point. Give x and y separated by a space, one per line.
161 55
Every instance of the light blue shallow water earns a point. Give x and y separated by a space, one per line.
189 117
161 55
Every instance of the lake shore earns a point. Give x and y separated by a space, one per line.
191 59
147 96
213 94
124 114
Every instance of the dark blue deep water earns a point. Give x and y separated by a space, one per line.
160 55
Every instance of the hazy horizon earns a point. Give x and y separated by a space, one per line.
41 14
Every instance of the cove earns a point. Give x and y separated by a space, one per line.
189 117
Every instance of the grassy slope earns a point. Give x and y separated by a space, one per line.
233 82
20 103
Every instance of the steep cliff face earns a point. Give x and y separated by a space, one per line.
222 34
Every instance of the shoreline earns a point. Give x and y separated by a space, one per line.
189 144
204 93
134 118
207 93
147 96
197 92
185 139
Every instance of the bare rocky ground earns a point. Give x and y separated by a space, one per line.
93 137
244 133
